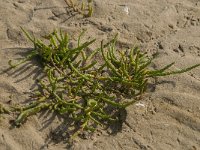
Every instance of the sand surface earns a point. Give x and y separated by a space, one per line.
167 118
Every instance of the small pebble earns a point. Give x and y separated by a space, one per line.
126 9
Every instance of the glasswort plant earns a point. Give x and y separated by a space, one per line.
89 92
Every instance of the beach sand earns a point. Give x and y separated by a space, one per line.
168 116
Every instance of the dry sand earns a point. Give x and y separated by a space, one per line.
168 116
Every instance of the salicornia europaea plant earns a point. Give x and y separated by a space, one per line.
86 90
83 8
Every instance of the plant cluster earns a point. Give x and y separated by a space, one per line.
89 92
83 8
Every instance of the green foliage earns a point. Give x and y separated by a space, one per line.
3 109
84 9
87 91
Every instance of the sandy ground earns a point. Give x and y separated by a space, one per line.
167 118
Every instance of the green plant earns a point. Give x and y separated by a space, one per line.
84 9
87 91
3 109
129 70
